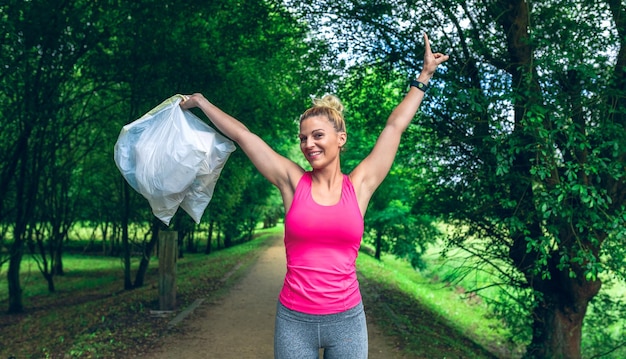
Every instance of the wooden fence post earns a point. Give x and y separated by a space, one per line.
168 252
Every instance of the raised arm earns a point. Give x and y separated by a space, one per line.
369 174
279 170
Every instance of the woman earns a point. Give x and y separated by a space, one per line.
320 303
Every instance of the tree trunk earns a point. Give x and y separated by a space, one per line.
13 277
227 240
209 237
219 236
24 198
128 284
147 253
115 238
50 280
57 256
561 301
191 241
58 262
379 244
45 266
558 319
180 241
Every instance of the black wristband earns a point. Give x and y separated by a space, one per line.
420 85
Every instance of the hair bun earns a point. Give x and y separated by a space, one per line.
331 101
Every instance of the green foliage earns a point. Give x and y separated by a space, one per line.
525 140
76 71
521 143
390 283
605 320
393 222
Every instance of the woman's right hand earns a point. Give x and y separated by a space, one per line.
191 101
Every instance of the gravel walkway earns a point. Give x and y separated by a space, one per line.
241 324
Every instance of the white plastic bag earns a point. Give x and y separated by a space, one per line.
173 159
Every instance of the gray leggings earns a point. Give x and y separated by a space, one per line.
300 336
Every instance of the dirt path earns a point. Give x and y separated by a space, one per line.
241 324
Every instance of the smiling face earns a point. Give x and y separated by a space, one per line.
320 142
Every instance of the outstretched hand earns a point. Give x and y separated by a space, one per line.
191 101
431 61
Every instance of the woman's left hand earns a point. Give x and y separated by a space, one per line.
432 60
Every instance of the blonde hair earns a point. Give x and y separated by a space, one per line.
330 107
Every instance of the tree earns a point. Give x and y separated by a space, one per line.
551 195
210 47
41 52
76 71
528 144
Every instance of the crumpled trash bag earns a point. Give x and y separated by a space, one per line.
173 159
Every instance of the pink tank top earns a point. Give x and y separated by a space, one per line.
322 243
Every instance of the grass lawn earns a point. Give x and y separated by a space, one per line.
429 317
91 316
